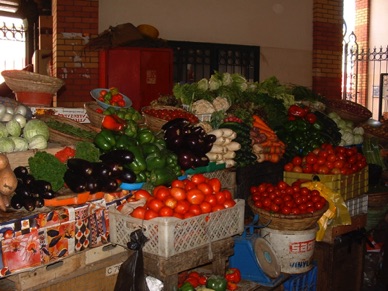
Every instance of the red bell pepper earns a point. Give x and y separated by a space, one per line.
231 286
233 275
298 111
113 122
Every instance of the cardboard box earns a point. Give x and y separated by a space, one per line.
77 114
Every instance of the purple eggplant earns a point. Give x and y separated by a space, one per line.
186 159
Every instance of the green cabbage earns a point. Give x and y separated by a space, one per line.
35 127
3 130
13 128
21 143
38 142
6 145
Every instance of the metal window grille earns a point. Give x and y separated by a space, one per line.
195 60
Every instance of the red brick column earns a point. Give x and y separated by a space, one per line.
362 33
327 47
74 23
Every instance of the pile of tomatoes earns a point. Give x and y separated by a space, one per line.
170 114
183 199
112 97
328 159
287 199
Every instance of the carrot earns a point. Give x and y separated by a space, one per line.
261 123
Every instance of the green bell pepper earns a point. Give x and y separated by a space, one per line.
150 148
155 161
186 287
162 176
141 177
105 140
124 141
217 283
131 128
138 164
160 142
145 135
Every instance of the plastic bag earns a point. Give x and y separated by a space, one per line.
131 275
337 214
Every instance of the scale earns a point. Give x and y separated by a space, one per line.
255 258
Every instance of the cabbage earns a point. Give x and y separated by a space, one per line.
21 144
13 128
35 127
3 130
6 145
38 142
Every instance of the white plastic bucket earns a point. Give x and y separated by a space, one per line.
294 249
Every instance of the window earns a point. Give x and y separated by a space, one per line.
195 60
12 43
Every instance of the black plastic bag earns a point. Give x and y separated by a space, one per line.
131 275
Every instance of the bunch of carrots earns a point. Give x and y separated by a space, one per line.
268 147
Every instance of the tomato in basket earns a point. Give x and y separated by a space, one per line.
170 114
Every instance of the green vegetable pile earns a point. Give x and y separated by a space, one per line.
70 130
45 166
87 151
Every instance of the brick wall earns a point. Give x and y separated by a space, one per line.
74 23
327 47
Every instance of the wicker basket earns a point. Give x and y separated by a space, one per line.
59 137
287 222
24 81
154 123
355 112
95 118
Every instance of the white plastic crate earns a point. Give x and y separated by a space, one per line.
168 236
358 205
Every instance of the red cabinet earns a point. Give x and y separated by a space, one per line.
143 74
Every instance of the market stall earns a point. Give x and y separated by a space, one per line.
194 171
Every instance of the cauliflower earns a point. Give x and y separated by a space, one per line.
202 107
221 103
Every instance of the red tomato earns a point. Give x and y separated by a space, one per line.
166 211
155 204
229 203
205 207
182 206
139 212
195 209
161 192
205 188
170 202
288 167
141 194
285 210
228 194
198 178
103 93
211 199
311 159
149 214
282 185
178 184
218 207
193 281
296 161
189 185
195 196
215 184
178 215
220 196
178 193
297 169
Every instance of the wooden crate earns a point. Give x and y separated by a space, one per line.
93 269
340 265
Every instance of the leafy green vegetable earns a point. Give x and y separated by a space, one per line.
45 166
34 127
87 151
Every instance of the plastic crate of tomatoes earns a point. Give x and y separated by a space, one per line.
168 236
349 186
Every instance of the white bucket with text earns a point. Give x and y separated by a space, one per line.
294 248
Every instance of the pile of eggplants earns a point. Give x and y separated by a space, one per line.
85 176
189 142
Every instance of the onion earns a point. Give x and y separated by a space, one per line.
20 119
7 117
21 109
9 110
2 111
